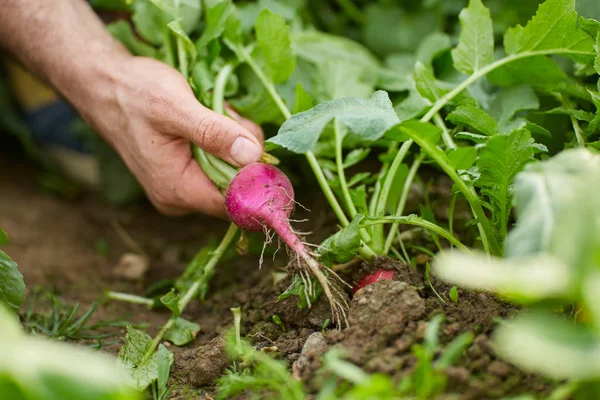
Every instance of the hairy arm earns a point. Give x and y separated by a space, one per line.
143 108
63 42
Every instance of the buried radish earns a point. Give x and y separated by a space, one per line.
369 279
261 197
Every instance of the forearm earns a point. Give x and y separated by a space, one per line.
64 43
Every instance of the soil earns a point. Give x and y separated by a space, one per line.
73 247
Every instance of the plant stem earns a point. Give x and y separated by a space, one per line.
402 202
339 162
192 292
442 101
486 246
182 58
380 176
129 298
218 99
451 208
168 46
488 236
217 170
339 138
446 137
574 122
378 236
577 131
411 220
320 176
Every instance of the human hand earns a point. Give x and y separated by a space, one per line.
150 116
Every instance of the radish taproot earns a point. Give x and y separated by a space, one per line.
369 279
261 197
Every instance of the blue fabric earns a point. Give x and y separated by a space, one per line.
53 124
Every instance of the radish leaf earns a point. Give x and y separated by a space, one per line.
502 157
171 301
343 245
475 48
131 356
554 27
474 117
216 14
368 119
273 36
182 332
542 192
12 286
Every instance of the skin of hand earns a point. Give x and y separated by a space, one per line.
145 109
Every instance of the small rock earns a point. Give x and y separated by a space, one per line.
315 345
499 369
131 267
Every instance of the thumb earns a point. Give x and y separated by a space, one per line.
220 136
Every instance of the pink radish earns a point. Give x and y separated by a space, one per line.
369 279
261 197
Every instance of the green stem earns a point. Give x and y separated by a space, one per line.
378 236
486 246
446 137
442 101
339 162
488 237
216 169
192 292
380 176
411 220
218 99
574 122
451 208
168 46
577 130
182 58
339 138
129 298
402 202
320 176
268 85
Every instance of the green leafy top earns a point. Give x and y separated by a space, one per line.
273 36
367 119
499 161
475 48
554 27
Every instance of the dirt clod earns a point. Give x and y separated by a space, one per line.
202 365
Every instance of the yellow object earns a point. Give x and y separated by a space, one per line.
30 93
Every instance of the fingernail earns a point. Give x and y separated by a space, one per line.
244 152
